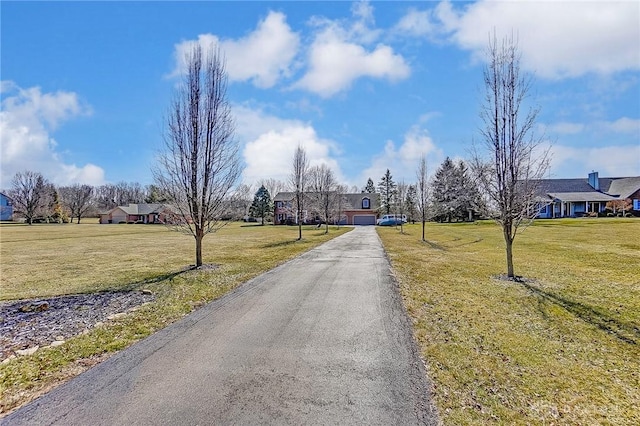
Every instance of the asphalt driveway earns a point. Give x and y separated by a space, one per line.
322 339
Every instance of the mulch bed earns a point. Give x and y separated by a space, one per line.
26 324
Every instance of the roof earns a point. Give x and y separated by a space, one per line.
284 196
140 209
622 187
575 197
577 190
547 186
353 200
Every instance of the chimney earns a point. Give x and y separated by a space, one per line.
594 181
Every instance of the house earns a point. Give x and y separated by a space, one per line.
579 197
137 213
355 209
6 207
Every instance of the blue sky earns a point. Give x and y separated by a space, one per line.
363 86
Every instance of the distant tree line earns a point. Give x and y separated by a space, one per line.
36 199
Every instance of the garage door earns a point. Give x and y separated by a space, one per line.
118 218
368 219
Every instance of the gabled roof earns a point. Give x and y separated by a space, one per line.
355 200
621 187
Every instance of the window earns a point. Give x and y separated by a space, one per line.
365 203
278 204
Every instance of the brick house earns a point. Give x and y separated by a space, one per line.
355 209
137 213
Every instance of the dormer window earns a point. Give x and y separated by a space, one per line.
365 203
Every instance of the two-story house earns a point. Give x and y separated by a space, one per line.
354 209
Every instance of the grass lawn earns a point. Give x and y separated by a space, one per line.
561 348
49 260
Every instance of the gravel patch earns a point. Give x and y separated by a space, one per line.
33 323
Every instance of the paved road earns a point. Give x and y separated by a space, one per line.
322 339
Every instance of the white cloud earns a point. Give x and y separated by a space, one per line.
403 161
557 39
263 56
338 56
566 128
415 23
335 63
610 161
27 118
271 142
622 125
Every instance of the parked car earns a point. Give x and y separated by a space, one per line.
391 220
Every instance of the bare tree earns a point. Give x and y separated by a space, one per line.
423 192
106 196
240 201
339 202
29 194
200 163
78 199
514 163
400 207
322 187
274 186
298 181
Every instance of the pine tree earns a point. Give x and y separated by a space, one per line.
387 189
262 205
445 188
410 203
455 195
370 188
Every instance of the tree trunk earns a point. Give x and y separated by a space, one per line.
509 247
423 224
199 235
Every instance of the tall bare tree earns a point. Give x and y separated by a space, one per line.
513 163
340 202
400 207
30 194
322 185
298 181
422 186
274 186
78 199
200 163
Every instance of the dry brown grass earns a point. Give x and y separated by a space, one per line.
563 348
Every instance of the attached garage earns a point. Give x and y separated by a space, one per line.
364 219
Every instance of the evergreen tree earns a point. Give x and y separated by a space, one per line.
370 188
387 190
446 190
154 195
455 195
410 203
262 205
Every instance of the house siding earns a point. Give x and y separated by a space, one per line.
6 207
